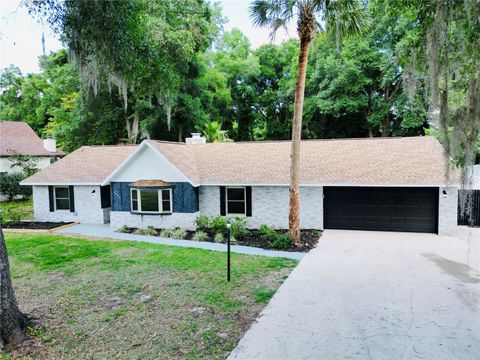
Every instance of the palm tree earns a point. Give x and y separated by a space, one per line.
213 132
275 14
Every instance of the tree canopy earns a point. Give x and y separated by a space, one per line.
379 83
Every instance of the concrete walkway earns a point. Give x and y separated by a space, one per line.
375 295
104 231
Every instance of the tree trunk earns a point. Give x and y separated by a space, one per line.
180 133
12 321
385 124
132 128
294 216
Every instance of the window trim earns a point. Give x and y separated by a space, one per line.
55 198
160 202
244 200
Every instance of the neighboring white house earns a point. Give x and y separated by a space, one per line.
18 138
389 184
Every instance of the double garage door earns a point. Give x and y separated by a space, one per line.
384 209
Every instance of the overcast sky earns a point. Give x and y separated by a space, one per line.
21 36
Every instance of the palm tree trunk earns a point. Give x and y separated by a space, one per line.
12 321
294 216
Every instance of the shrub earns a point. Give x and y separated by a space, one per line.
10 186
179 234
317 232
218 224
202 222
166 233
150 231
267 233
140 231
16 215
123 229
200 236
219 237
282 242
239 228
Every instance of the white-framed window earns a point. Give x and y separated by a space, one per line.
61 197
235 199
151 201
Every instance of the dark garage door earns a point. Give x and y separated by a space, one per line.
385 209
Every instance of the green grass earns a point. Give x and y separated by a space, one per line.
25 206
116 299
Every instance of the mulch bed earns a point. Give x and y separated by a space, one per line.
309 239
33 225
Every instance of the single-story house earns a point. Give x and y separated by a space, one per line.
389 184
18 138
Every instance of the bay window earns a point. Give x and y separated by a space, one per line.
151 201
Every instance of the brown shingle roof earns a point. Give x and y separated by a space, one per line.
377 161
17 137
87 165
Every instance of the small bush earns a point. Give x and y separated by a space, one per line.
218 224
16 215
150 231
267 233
282 242
317 232
219 238
202 222
140 231
10 186
200 236
179 234
123 229
166 233
239 228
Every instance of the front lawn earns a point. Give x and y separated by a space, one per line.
101 299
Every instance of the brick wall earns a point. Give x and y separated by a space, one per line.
87 206
447 210
125 218
270 206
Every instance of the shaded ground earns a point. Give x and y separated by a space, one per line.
375 295
98 299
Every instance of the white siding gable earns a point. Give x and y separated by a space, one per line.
148 164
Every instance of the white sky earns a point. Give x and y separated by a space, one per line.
21 35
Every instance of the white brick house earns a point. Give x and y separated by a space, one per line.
18 138
390 184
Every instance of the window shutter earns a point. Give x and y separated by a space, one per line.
72 198
248 200
50 198
222 201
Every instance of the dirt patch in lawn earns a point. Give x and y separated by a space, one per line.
309 239
34 225
98 299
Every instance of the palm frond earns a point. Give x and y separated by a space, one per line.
347 17
272 13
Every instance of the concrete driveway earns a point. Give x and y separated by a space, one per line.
375 295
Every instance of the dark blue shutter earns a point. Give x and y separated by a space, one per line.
72 198
222 201
248 200
50 198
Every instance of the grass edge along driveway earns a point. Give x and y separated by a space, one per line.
105 299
